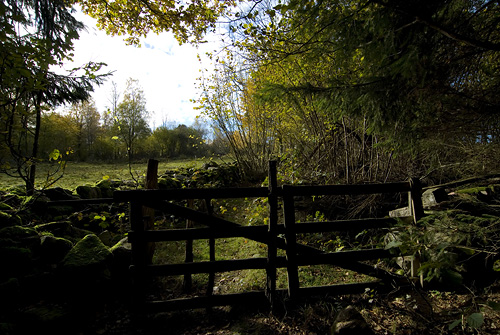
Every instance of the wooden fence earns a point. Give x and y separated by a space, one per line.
296 254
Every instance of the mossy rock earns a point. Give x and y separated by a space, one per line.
59 193
16 261
54 249
89 192
9 220
10 291
5 207
88 254
122 259
166 182
17 232
106 187
63 229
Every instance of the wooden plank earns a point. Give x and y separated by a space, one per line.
148 213
280 242
206 267
272 249
257 298
416 199
188 257
211 244
344 225
250 232
291 245
78 202
139 252
190 193
346 189
344 256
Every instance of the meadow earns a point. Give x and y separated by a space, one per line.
81 173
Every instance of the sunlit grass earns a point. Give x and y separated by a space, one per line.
81 173
243 211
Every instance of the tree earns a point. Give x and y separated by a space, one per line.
376 78
130 118
187 20
36 37
414 66
86 118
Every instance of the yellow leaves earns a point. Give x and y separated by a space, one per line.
187 20
55 155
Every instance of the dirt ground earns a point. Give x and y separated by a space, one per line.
403 311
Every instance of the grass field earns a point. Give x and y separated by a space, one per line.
77 174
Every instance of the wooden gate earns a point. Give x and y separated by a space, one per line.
296 254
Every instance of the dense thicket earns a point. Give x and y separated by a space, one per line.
362 90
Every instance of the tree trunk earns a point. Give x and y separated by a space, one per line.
30 180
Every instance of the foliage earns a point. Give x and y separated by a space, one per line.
187 20
359 90
36 37
452 244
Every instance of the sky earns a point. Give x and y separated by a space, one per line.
166 71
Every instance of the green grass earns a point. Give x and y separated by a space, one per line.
242 211
77 174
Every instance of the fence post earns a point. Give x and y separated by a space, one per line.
139 255
211 244
415 200
151 183
272 235
291 244
417 211
188 280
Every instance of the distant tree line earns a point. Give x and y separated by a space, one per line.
81 133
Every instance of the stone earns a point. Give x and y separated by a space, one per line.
350 321
106 188
433 197
59 193
54 249
24 237
9 220
10 291
106 237
88 254
63 229
122 259
89 192
400 212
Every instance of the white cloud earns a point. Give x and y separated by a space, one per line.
166 71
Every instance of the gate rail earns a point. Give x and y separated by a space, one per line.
296 253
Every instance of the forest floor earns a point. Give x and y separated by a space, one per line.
402 311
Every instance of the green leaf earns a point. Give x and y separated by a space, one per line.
454 324
393 244
475 320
